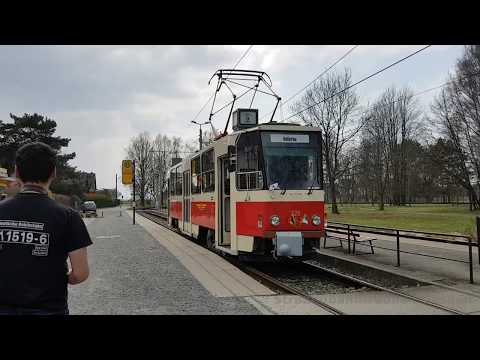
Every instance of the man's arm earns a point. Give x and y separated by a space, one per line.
79 262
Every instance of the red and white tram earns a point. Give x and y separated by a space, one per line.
256 191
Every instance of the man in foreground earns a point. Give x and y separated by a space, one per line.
36 236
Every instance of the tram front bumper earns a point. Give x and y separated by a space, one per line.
288 243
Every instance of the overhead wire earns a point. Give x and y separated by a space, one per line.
316 78
211 97
360 81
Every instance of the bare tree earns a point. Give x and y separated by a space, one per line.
388 129
331 109
453 152
457 114
140 150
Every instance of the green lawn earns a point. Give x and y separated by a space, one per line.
434 218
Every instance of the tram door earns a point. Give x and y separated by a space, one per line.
187 226
224 202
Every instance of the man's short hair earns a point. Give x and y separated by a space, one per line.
35 162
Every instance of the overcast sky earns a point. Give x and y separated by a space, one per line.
101 96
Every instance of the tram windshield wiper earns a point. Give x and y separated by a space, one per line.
311 187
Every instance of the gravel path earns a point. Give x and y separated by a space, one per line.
131 273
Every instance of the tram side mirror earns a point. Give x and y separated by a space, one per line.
232 158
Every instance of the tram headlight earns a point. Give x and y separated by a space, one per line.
316 220
275 220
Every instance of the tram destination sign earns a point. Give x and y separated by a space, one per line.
290 138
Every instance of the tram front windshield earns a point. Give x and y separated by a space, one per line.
292 160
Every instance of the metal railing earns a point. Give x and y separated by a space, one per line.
462 240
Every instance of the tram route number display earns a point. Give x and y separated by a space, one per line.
40 240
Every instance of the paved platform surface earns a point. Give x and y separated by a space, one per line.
132 273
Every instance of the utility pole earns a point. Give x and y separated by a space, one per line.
134 204
200 137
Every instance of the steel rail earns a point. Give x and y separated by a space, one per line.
382 288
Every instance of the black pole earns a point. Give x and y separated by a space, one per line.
134 204
478 238
348 234
116 190
200 138
470 261
398 248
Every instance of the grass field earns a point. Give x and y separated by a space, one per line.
434 218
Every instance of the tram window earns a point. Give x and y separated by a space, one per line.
178 181
171 181
186 183
247 158
208 171
196 176
249 169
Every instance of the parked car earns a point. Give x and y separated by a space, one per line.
89 208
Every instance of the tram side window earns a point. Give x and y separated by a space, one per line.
171 181
196 176
178 181
208 171
249 174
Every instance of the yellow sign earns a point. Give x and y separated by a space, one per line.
127 172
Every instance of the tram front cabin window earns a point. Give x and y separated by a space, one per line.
277 160
292 160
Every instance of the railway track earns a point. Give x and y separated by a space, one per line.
270 281
371 285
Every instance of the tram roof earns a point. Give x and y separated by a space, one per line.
274 126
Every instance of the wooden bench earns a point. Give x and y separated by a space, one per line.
355 237
362 240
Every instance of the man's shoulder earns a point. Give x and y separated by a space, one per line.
44 201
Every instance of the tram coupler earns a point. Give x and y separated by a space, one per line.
288 243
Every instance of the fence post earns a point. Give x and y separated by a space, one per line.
348 232
398 248
470 261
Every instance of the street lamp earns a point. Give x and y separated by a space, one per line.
200 137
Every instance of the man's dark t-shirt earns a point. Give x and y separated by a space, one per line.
36 235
